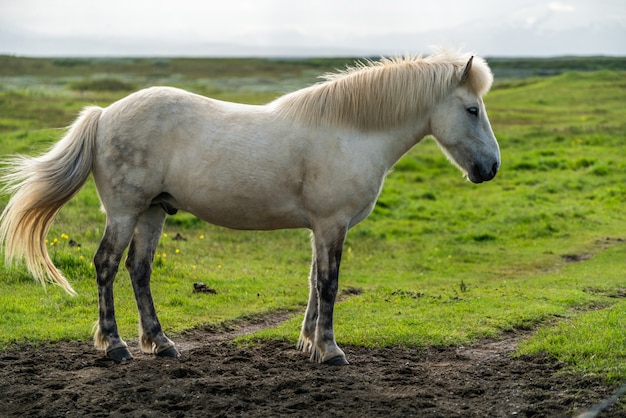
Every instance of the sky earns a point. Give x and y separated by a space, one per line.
311 27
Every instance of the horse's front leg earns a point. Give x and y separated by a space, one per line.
146 236
328 249
307 334
106 261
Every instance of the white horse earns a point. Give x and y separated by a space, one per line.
315 158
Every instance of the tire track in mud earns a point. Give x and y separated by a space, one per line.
200 336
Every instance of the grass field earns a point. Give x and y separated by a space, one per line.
440 261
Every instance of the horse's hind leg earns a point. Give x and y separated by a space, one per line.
139 264
107 260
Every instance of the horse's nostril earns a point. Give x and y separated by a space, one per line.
494 168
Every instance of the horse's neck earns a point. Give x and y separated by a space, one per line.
397 142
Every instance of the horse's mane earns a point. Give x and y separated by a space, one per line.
376 95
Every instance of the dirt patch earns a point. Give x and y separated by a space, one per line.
215 378
574 258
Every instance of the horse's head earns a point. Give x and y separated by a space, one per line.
460 125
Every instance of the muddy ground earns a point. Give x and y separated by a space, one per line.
215 378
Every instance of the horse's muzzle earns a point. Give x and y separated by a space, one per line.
480 173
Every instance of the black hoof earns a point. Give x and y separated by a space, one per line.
169 352
337 361
120 354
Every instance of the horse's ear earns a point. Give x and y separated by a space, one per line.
467 69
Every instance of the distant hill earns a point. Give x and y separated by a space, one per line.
274 67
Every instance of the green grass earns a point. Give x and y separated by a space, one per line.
591 342
440 261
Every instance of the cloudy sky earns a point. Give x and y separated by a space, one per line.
310 27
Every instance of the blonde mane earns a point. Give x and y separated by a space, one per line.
378 95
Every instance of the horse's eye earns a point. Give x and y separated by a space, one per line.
472 110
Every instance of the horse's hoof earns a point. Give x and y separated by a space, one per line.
169 352
337 361
120 354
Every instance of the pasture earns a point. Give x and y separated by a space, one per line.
537 255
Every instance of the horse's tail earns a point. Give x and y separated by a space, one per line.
39 187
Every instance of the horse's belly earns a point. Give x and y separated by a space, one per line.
250 217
